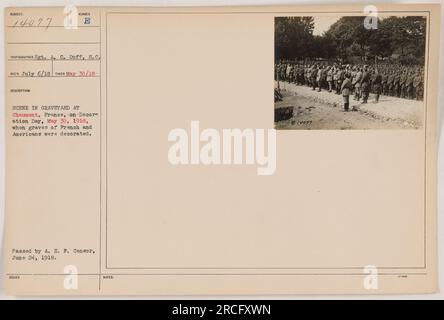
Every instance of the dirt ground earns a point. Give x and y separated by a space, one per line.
311 113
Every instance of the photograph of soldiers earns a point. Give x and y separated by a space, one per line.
338 57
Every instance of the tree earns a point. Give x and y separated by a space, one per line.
351 37
348 38
292 36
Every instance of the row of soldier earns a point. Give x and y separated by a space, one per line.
386 79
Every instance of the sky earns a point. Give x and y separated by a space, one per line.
321 24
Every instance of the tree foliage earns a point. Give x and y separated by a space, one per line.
293 34
401 38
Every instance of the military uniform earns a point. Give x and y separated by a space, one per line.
307 76
365 85
313 75
396 87
329 78
288 73
357 84
402 81
390 85
384 84
346 89
318 78
376 82
409 86
418 86
300 75
339 79
322 77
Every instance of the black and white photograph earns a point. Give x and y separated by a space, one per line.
349 72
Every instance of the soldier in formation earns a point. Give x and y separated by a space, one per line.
386 79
